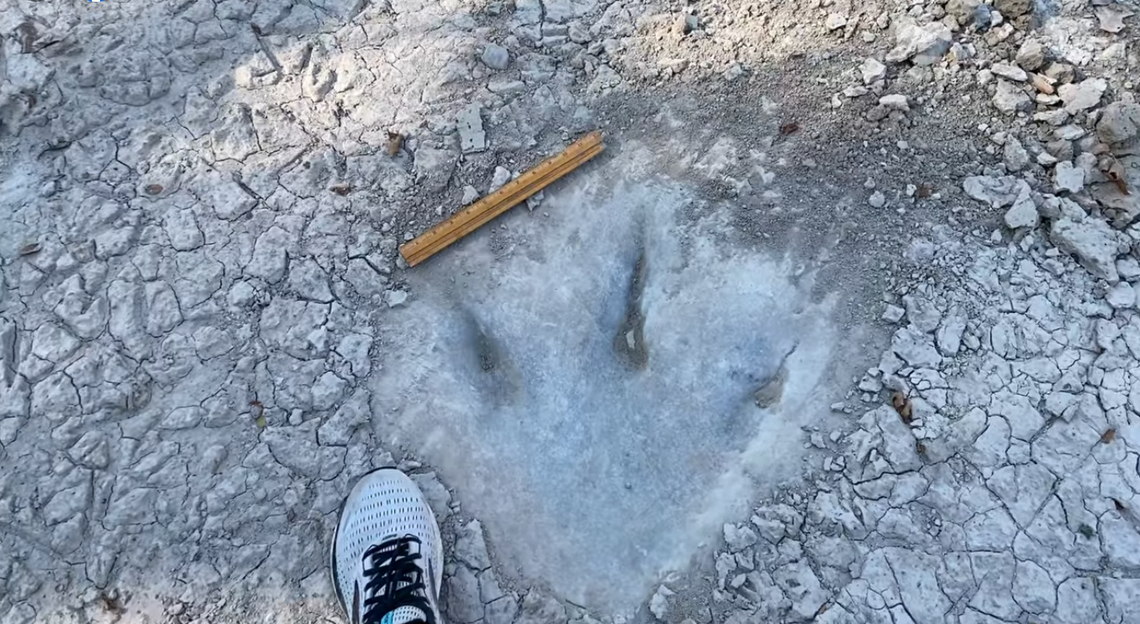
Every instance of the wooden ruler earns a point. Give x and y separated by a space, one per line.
510 195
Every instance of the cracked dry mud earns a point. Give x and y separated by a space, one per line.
841 328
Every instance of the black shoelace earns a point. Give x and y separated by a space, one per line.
395 580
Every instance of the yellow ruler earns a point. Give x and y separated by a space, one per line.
510 195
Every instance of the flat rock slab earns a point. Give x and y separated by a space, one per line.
592 395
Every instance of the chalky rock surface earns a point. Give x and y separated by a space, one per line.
841 328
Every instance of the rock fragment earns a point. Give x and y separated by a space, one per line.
1010 99
873 71
1093 243
1013 8
1010 72
1083 95
496 57
472 138
1016 158
1068 177
922 44
1031 55
1023 214
1119 123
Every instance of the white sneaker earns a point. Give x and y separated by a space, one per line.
386 557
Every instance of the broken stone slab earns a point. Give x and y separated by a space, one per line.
802 587
472 138
873 71
1119 124
1015 156
463 602
1111 18
997 192
1068 177
1023 215
1123 208
471 548
922 44
1010 99
496 57
1093 243
433 167
1031 55
438 497
1009 71
539 609
1013 8
884 444
895 101
1083 95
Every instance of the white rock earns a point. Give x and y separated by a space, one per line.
1016 158
835 21
924 44
997 192
1010 71
873 71
1119 123
327 391
1121 296
877 199
1031 55
738 537
1010 99
1092 241
438 498
949 335
463 602
659 603
496 57
472 138
893 313
802 587
501 176
1068 177
1082 95
470 547
895 101
1023 214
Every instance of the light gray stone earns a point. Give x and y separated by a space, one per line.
501 611
1023 214
539 609
496 57
1092 241
1016 158
1031 55
1119 123
1009 71
738 537
472 138
923 44
1009 98
463 602
470 547
997 192
800 584
1083 95
1068 177
873 71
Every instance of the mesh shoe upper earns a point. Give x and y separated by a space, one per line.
386 556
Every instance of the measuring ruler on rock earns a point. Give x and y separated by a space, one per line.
510 195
